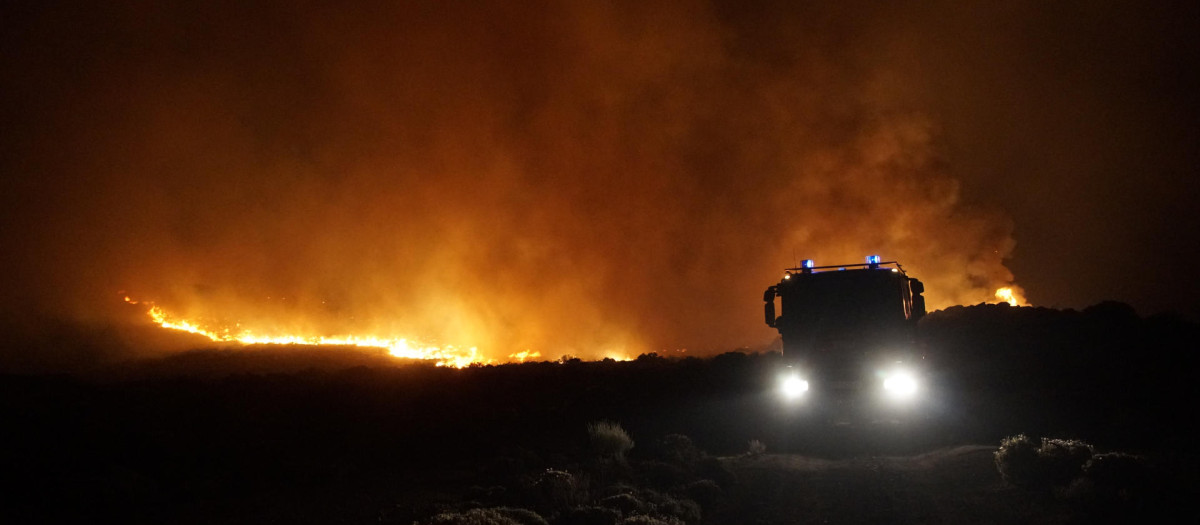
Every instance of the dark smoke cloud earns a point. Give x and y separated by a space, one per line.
567 177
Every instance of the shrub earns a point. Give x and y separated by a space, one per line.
757 448
712 468
642 519
471 517
684 509
591 516
1062 459
663 475
617 488
609 439
623 503
557 489
494 516
1117 474
522 516
706 492
1017 460
679 449
650 502
1055 462
1117 488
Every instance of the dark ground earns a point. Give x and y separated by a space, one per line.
949 485
231 437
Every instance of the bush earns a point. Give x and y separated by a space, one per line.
522 516
615 489
706 492
1117 487
494 516
623 503
1062 459
679 449
558 489
609 439
471 517
757 448
663 475
649 502
1017 460
1117 475
1054 462
684 509
591 516
712 468
650 520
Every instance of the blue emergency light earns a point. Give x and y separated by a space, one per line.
873 259
807 263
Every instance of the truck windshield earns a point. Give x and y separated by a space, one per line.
840 301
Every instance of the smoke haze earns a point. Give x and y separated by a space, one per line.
564 177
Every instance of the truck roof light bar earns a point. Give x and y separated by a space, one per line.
872 266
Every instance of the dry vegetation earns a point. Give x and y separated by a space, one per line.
609 442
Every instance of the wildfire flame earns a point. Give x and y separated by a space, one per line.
521 357
1011 295
447 355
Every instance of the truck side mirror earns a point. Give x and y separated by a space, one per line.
769 306
769 295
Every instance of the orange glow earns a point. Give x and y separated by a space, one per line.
1012 295
445 355
527 355
617 356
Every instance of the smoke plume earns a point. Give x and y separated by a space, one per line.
564 177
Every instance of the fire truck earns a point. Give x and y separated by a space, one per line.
849 339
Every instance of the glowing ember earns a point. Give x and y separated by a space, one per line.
1011 295
447 355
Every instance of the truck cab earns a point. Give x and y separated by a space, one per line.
849 333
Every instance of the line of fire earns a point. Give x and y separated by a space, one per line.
826 309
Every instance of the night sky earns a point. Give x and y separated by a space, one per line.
581 178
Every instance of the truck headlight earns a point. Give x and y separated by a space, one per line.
792 386
900 384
